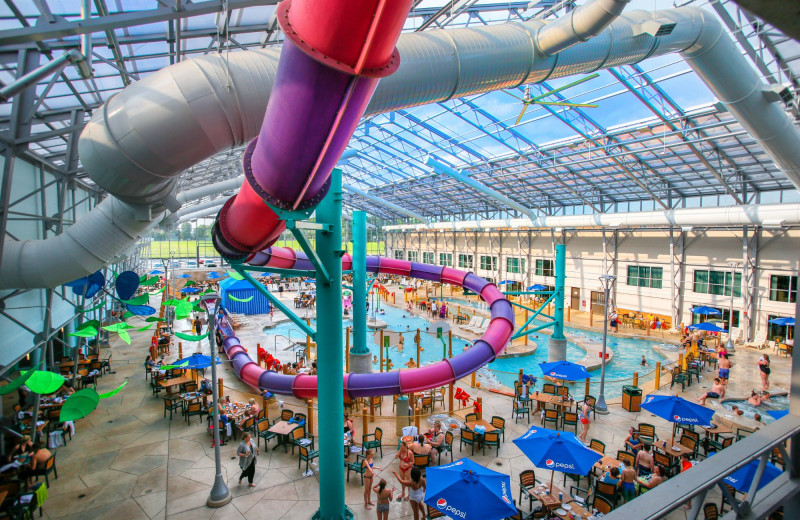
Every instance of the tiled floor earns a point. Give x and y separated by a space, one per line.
128 462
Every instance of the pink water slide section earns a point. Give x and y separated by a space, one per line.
444 372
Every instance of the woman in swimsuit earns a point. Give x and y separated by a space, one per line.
416 491
384 499
584 417
406 457
763 367
369 473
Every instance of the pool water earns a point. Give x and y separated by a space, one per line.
774 403
453 303
627 352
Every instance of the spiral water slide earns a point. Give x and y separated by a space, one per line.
484 350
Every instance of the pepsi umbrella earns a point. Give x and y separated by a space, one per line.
465 489
705 310
554 450
678 410
190 290
783 322
537 287
778 414
742 478
564 370
708 327
195 362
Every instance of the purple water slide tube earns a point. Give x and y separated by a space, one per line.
484 350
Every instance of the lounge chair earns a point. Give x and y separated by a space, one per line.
759 341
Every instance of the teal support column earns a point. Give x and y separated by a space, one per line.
330 353
360 354
557 346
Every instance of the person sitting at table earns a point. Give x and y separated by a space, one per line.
612 477
23 446
149 363
717 391
633 443
644 460
754 399
37 462
66 390
437 439
419 447
650 481
253 409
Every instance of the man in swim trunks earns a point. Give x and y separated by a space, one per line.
717 391
724 368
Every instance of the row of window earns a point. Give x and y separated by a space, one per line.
781 288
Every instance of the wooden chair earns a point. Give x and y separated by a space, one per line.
438 396
527 481
433 513
262 432
427 403
678 377
306 454
519 410
421 461
49 467
190 387
710 511
551 416
500 425
192 409
298 436
665 461
570 419
377 402
598 446
492 439
626 458
689 442
173 404
563 391
718 445
301 418
245 426
286 414
471 417
372 441
606 490
467 437
357 466
549 388
446 446
647 433
602 504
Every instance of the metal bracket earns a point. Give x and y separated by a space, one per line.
312 254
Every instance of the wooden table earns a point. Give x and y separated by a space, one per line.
540 398
550 502
575 508
70 364
605 462
717 430
676 453
180 380
472 424
283 429
561 403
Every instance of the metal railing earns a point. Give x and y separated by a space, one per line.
696 483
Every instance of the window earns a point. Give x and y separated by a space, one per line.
778 332
465 261
412 256
783 288
399 254
644 276
489 263
544 268
515 265
717 319
446 259
427 258
717 282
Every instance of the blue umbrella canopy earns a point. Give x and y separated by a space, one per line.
141 310
742 478
557 451
195 362
126 284
184 275
213 275
465 489
708 327
564 370
783 321
537 287
778 414
678 410
156 271
705 310
190 290
506 282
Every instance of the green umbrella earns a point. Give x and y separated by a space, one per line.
18 382
79 405
113 392
91 323
86 332
44 382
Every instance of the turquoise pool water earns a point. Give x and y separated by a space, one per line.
774 403
627 352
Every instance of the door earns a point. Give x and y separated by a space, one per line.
575 298
598 303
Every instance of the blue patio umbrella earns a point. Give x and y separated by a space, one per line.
184 275
705 310
506 282
465 489
537 287
556 450
742 478
156 271
195 362
564 370
213 275
783 322
190 290
778 414
708 327
678 410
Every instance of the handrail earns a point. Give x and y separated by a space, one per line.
695 484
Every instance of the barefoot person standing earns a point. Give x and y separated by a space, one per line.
584 417
764 370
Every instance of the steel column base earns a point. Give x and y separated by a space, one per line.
348 515
556 350
219 503
360 363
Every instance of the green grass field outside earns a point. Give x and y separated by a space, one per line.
190 248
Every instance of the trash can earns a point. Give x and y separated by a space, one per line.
632 398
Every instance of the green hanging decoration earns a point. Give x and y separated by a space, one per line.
121 330
143 299
150 281
242 300
158 291
235 275
171 303
98 306
86 332
127 315
79 405
90 323
142 278
18 382
190 283
154 319
183 309
113 392
146 327
44 382
189 337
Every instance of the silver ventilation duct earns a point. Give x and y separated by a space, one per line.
146 135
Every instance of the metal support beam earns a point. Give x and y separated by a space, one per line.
750 247
359 283
677 263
